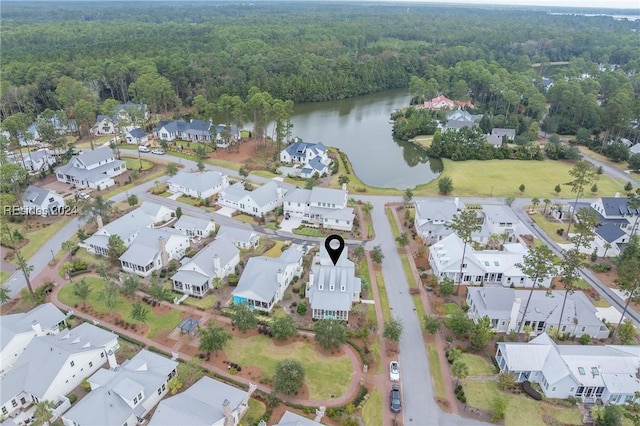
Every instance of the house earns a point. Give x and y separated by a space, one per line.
17 331
433 217
587 372
320 207
224 137
194 130
293 419
462 115
126 394
41 202
94 169
509 134
618 211
257 202
505 308
494 140
547 83
127 227
152 249
265 279
194 227
198 185
105 125
313 157
52 366
610 238
332 289
315 167
215 262
635 149
136 136
131 111
496 267
244 239
454 125
207 402
166 130
442 102
38 161
501 220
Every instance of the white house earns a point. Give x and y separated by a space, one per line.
136 136
501 220
17 331
257 202
509 134
52 366
124 395
38 161
198 185
303 152
332 289
194 227
265 279
41 201
152 249
505 308
498 267
320 207
587 372
242 238
127 226
94 169
224 137
610 238
216 261
616 210
207 402
104 125
166 130
293 419
432 217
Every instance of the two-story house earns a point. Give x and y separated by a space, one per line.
216 261
38 161
332 289
152 249
94 169
126 394
324 207
257 202
136 136
52 366
313 157
432 217
41 201
265 279
224 136
194 227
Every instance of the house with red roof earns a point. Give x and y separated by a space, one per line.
442 102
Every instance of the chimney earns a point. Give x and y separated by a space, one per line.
35 325
515 314
99 221
228 418
163 251
279 192
216 262
111 357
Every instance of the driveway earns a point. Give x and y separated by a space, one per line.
226 211
290 224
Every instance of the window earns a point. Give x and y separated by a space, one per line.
135 400
580 391
581 371
90 364
163 387
73 363
14 403
553 389
101 354
4 411
159 391
595 371
140 396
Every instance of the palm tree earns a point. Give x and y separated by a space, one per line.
607 246
546 202
42 414
535 201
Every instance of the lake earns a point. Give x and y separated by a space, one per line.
360 128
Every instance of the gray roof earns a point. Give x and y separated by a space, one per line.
201 404
95 156
221 247
200 182
105 405
191 223
152 209
494 302
462 115
340 214
47 315
130 223
437 210
234 192
91 175
137 132
265 193
237 234
146 245
509 133
293 419
259 278
35 195
338 275
609 232
616 206
459 124
499 213
298 195
298 149
328 195
53 351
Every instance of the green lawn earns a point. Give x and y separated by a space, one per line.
501 178
275 251
264 173
256 411
451 308
134 164
246 219
157 323
417 302
384 300
4 275
84 255
308 232
424 141
325 376
622 166
550 227
480 394
406 266
600 303
375 351
436 373
204 303
392 223
478 366
372 409
38 236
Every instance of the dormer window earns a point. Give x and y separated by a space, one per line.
73 363
332 287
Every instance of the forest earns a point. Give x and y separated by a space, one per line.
173 56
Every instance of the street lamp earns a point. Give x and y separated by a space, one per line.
53 256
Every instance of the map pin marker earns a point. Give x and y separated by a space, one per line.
334 253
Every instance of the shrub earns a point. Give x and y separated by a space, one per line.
526 387
600 267
301 308
232 280
585 339
73 398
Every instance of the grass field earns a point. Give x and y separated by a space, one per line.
264 173
325 376
38 236
246 219
372 409
550 227
478 366
308 232
480 394
276 250
157 323
256 411
436 371
622 166
204 303
4 275
451 308
501 178
134 164
423 141
384 300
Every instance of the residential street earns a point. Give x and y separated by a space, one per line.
419 407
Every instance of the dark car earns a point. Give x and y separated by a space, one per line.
395 402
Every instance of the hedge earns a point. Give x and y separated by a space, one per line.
159 351
78 272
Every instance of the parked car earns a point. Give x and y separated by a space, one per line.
83 195
395 402
394 371
143 148
157 151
